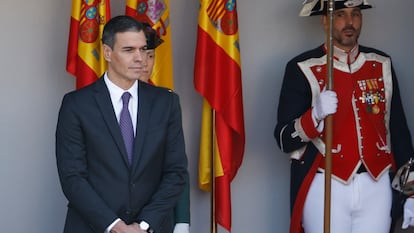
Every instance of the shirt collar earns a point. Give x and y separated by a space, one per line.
346 57
343 56
116 91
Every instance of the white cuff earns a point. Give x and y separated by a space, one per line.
109 228
182 228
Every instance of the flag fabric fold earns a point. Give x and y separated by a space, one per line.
84 56
156 14
217 77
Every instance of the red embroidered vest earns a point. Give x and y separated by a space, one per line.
359 125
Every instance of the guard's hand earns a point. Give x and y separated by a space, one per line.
326 103
408 219
182 228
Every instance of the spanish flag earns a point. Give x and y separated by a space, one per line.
156 14
217 77
85 58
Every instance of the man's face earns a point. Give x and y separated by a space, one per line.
147 71
127 59
347 23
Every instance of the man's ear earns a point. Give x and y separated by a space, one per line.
107 52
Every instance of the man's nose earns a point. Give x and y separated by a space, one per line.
349 19
141 56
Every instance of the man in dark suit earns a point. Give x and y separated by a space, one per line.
112 186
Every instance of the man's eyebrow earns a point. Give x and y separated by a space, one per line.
127 47
340 10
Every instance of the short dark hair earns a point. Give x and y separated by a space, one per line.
121 23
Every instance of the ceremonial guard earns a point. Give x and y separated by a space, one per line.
371 139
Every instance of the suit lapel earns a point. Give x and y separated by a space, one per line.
145 100
104 102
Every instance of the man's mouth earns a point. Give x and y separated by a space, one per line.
349 30
136 68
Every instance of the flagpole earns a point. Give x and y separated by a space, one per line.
328 121
213 176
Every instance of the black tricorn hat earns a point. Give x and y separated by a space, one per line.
318 7
153 39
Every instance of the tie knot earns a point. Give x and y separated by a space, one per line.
125 98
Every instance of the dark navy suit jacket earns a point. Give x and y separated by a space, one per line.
94 172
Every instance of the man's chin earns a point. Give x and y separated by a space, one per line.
348 42
136 74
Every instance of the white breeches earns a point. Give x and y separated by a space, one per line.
362 206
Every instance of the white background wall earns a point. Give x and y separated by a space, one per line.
33 80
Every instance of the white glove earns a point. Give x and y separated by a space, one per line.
326 103
182 228
408 219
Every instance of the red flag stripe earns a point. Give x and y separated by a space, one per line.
219 83
72 53
86 73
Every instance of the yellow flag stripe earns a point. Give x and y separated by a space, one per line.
206 142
